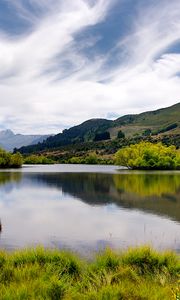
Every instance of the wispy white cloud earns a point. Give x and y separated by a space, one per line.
47 82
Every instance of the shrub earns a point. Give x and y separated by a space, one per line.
146 155
8 160
92 159
147 132
120 135
16 160
37 159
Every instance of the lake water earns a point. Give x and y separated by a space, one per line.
87 208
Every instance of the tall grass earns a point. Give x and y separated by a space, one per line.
137 274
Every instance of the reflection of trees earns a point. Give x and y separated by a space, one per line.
160 194
148 184
6 177
156 193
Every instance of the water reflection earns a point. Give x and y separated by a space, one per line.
8 177
157 193
148 184
89 210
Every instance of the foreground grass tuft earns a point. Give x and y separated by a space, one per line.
137 274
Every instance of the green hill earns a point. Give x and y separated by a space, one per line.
160 117
158 123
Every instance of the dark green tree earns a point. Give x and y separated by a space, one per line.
102 136
147 132
120 135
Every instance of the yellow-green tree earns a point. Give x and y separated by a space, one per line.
16 160
146 156
4 158
8 160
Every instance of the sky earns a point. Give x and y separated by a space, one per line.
65 61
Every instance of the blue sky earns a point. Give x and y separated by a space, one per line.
63 61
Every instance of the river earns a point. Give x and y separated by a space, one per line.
87 208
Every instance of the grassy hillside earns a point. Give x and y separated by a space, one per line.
157 123
160 117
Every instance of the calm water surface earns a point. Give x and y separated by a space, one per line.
86 208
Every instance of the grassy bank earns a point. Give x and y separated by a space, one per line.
140 273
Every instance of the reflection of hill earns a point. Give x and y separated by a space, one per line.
91 188
159 194
165 206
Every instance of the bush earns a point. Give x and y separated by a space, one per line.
147 132
92 159
75 160
16 160
8 160
146 156
37 160
120 135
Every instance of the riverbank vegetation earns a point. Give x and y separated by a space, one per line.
90 158
9 160
143 155
140 273
95 150
149 156
38 160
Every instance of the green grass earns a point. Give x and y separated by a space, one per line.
137 274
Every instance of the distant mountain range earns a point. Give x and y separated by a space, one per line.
165 121
9 140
